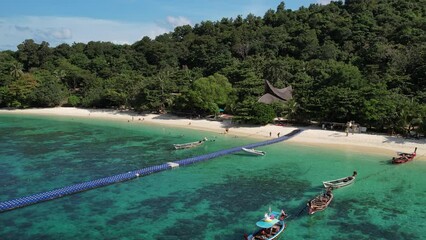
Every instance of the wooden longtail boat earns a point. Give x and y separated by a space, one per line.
404 157
341 182
320 202
189 145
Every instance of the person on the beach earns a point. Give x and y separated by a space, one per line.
278 134
347 128
270 133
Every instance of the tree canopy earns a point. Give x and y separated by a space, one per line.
358 60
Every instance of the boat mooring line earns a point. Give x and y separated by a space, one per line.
80 187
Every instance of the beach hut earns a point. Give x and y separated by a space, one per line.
273 94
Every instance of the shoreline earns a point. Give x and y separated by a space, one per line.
365 142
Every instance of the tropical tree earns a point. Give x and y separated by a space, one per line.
20 91
59 74
16 70
262 114
49 92
357 60
209 94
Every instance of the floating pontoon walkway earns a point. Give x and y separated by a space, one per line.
61 192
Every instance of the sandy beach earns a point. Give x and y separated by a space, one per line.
367 142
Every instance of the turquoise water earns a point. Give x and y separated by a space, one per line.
216 199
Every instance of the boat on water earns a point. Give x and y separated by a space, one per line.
404 157
254 151
320 202
270 227
341 182
189 145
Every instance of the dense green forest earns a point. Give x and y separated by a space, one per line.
362 60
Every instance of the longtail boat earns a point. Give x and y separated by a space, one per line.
320 202
404 157
341 182
189 145
270 227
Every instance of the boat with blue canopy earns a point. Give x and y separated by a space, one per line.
270 227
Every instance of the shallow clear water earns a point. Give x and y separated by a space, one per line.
217 199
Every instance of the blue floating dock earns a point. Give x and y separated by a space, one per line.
80 187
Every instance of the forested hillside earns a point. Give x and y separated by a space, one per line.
362 60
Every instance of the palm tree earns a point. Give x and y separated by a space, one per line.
291 108
165 97
16 70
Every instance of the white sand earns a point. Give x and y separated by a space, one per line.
372 143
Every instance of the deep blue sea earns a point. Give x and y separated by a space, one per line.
218 199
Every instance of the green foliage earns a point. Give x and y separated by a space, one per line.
92 96
209 94
357 60
251 111
16 70
74 101
262 113
10 70
33 55
286 110
122 90
49 92
5 96
420 123
21 91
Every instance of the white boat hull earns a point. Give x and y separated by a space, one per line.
338 183
254 152
189 145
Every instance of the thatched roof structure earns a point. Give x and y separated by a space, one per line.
274 94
